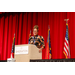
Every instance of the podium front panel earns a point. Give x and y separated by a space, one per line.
33 53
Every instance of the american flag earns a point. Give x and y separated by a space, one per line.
66 43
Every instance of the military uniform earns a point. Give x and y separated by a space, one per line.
37 40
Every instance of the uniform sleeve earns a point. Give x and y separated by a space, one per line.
42 42
29 41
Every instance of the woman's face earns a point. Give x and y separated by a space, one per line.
35 32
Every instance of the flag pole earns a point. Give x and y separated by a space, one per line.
66 20
30 31
48 26
14 34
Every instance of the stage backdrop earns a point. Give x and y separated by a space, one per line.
22 23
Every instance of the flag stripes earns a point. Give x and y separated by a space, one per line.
66 43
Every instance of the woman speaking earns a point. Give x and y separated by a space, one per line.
36 39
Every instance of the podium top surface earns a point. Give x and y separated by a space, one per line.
27 45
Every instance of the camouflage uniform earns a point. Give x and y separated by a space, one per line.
38 41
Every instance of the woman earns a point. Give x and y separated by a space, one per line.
36 39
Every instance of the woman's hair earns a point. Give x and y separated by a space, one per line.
36 27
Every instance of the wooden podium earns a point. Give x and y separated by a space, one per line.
25 52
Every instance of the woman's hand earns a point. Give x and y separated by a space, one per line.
40 50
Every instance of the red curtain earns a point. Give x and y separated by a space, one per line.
71 22
2 12
58 30
22 23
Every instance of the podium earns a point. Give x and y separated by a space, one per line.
26 52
